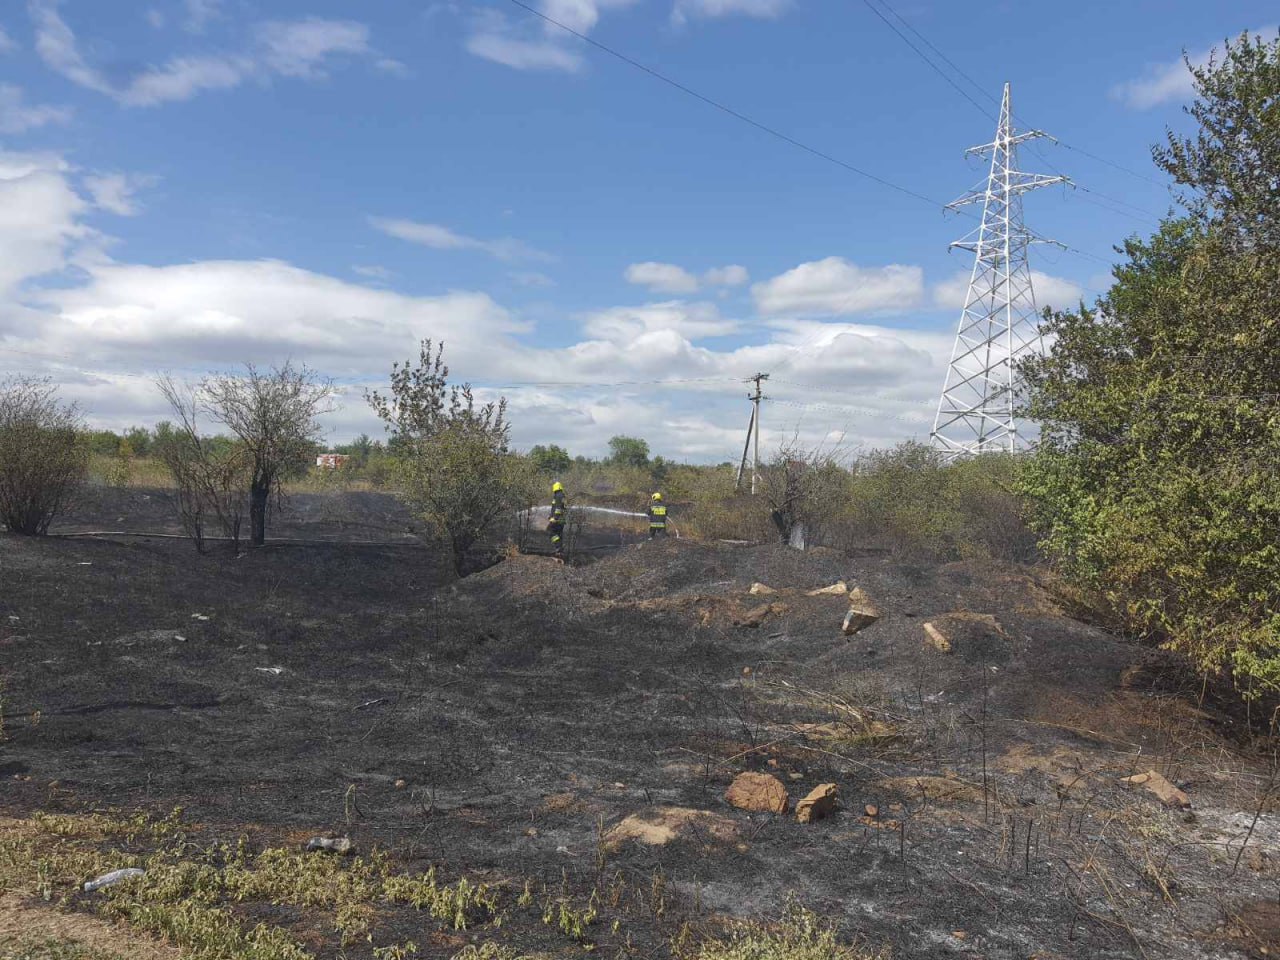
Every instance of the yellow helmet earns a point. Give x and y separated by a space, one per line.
656 496
557 487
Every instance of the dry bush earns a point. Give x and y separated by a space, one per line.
43 458
907 501
210 474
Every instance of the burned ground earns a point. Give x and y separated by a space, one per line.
574 728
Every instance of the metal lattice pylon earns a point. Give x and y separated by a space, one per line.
999 321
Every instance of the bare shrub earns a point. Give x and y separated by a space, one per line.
274 415
43 458
805 490
211 474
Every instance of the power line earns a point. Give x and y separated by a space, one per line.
727 109
737 115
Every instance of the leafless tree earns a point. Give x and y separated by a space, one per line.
274 414
43 458
804 487
211 473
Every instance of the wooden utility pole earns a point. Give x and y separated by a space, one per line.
755 425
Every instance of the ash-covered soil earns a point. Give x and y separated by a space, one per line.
574 723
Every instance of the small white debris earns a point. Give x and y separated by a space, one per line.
84 563
564 850
274 671
342 845
15 619
198 616
180 638
112 878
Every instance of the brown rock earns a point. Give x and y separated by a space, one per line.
858 618
872 810
659 826
758 791
1161 788
758 589
839 588
755 616
821 802
936 638
400 784
746 671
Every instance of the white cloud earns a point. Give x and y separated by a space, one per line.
200 13
530 43
836 287
442 238
1050 291
39 218
670 278
6 42
155 18
373 271
662 277
301 49
688 321
685 10
17 116
114 192
392 66
1172 81
730 276
523 54
104 329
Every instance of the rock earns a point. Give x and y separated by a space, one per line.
659 826
400 784
1161 788
746 671
976 637
340 845
757 615
872 810
839 588
759 792
936 638
859 616
821 802
759 589
112 878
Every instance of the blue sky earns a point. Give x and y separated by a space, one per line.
190 184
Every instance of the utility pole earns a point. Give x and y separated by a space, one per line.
755 423
999 321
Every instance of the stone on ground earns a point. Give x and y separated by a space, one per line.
839 588
758 589
976 637
758 792
821 802
659 826
1160 788
862 612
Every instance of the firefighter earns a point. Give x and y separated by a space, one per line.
557 517
657 517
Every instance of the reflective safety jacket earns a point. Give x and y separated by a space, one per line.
559 509
657 516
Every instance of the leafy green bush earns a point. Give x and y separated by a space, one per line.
1155 487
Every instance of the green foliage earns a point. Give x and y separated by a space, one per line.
550 459
43 456
1155 485
908 501
799 935
629 452
453 466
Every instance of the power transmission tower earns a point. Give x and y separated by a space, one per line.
753 434
999 321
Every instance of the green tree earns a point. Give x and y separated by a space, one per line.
629 451
550 459
454 466
1155 480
